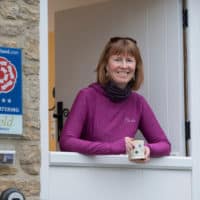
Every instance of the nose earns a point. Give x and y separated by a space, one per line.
124 63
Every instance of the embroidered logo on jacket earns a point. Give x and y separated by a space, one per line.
129 120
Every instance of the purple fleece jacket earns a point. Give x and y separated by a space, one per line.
96 125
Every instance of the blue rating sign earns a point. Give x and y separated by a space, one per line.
10 91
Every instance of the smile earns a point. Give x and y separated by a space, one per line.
123 74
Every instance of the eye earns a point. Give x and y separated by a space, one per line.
129 60
117 59
132 60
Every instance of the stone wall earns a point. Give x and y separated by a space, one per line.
19 27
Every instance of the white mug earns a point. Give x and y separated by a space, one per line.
138 151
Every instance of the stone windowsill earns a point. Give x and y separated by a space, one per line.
61 159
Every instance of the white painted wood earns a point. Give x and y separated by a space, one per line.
80 160
44 171
94 182
114 177
156 24
165 69
194 94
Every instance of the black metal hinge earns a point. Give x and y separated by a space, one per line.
61 113
187 130
185 18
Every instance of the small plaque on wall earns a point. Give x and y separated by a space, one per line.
10 91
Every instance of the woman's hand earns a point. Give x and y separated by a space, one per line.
130 145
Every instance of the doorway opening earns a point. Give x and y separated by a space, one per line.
77 33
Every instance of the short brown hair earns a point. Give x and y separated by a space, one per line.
118 46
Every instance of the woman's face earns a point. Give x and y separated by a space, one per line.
121 69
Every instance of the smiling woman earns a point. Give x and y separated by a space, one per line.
106 115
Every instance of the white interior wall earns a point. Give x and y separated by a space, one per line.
58 5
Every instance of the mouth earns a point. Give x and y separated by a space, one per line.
123 73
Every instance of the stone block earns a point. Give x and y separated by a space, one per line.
9 10
8 170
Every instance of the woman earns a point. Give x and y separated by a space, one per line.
106 115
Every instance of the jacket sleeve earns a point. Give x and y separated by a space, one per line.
156 139
70 139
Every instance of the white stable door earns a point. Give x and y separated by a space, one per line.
81 34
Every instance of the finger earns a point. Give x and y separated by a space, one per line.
129 147
147 152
